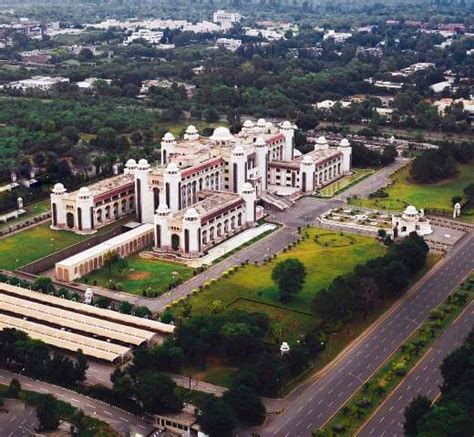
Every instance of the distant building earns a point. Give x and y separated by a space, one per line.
226 19
441 86
90 82
152 37
37 57
410 221
231 44
42 83
338 37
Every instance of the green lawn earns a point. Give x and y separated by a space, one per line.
141 274
323 263
405 192
345 182
37 242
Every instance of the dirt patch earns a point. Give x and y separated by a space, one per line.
139 276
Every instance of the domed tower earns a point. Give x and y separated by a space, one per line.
288 130
261 152
238 163
247 127
58 209
250 197
191 134
222 137
162 233
307 168
172 180
168 144
130 166
192 233
143 193
85 211
321 144
346 150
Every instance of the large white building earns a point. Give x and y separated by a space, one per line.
206 189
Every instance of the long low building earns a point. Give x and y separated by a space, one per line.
125 244
100 333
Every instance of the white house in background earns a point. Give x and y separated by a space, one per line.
226 19
410 221
329 104
43 83
439 87
206 189
231 44
152 37
338 37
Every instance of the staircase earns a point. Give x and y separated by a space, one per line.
272 200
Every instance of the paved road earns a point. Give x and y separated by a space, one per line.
17 419
424 379
317 400
121 421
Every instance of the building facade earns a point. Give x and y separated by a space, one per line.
206 189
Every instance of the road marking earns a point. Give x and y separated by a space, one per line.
108 412
382 419
125 420
309 426
309 412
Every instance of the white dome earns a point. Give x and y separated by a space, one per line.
222 134
260 142
191 213
248 187
191 129
131 163
143 163
59 188
410 210
268 124
84 190
168 136
163 208
248 123
238 150
345 142
321 140
172 167
261 122
286 124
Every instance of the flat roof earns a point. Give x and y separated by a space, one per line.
106 246
102 314
104 186
320 156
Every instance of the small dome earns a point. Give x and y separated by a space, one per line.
191 130
321 140
344 143
59 188
191 213
286 125
268 124
84 190
248 123
261 122
248 187
168 136
222 134
260 142
143 163
172 167
238 150
131 163
163 209
411 210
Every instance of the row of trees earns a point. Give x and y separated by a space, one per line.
452 414
370 283
32 357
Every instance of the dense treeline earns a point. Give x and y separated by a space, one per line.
452 414
20 353
370 283
436 165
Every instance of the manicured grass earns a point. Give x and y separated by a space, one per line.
404 191
141 274
345 182
32 244
359 408
37 242
323 264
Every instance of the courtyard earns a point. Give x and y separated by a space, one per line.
141 277
404 192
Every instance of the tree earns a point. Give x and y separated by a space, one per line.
48 413
217 418
14 388
156 393
80 366
415 411
289 276
85 55
44 284
247 405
